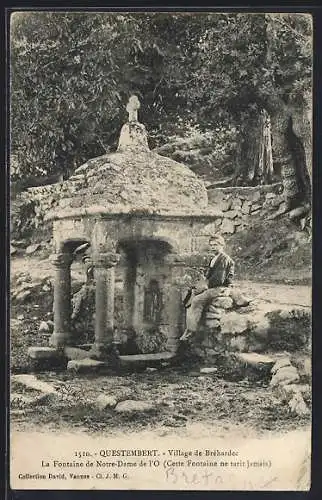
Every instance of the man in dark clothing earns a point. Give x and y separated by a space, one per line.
221 268
219 275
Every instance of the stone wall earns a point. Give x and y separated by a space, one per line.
241 205
37 202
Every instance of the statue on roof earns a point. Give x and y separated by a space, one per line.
132 108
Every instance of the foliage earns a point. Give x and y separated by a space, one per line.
212 154
72 73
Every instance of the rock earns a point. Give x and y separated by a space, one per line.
239 299
253 195
234 323
151 369
32 382
297 405
103 401
224 206
286 392
227 226
224 302
23 278
213 315
255 360
236 204
245 209
32 248
231 214
212 323
207 370
132 406
238 343
285 375
281 363
213 309
43 327
23 296
84 365
255 208
13 250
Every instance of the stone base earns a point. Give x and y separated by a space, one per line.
47 358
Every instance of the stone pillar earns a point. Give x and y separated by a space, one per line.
104 302
62 300
173 307
138 309
128 295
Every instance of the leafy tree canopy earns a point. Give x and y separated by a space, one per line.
72 73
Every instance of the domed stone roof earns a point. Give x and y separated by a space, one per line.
134 179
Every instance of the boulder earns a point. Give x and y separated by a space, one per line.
239 299
104 401
236 204
208 370
227 226
213 315
255 360
281 363
23 296
13 250
133 406
298 406
234 323
84 365
213 309
253 195
224 302
32 248
255 208
231 214
239 343
23 278
43 327
286 392
285 375
32 382
245 209
212 323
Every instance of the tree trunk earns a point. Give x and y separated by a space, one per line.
290 158
256 160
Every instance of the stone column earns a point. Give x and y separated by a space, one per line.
62 300
173 306
138 309
128 295
104 303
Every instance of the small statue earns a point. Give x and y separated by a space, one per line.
132 108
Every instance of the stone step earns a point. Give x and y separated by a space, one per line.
143 361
